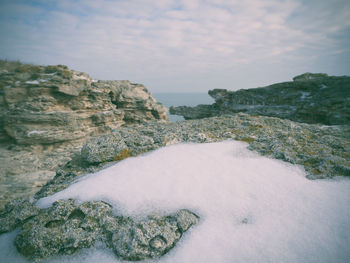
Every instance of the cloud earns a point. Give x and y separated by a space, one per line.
144 39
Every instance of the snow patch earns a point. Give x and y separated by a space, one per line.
251 208
35 132
50 74
80 77
32 82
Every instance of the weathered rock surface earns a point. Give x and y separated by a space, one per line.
97 151
26 168
16 213
66 227
62 229
149 238
46 113
323 151
309 98
45 105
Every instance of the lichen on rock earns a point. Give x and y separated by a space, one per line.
67 226
15 213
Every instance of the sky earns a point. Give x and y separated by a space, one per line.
181 46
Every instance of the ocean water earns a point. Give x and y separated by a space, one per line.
252 208
182 99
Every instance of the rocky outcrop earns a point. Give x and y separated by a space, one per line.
67 226
323 151
46 113
310 98
46 105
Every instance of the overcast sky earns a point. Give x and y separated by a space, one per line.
179 46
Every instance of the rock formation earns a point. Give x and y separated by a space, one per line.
45 105
46 113
310 98
323 151
66 227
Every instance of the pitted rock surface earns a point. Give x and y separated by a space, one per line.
66 227
16 213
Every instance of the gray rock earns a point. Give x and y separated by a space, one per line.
46 105
62 229
26 168
67 227
47 112
105 148
150 238
309 98
16 213
323 151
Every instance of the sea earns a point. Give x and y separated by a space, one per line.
182 99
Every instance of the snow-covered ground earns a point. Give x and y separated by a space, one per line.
251 208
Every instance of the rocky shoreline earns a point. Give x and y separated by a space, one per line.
67 226
309 98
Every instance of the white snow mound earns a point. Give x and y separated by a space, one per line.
251 208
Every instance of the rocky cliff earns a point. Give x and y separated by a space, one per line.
309 98
45 105
46 113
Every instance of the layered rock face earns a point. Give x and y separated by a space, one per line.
310 98
46 113
45 105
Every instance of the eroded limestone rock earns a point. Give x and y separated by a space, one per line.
16 213
66 227
323 151
98 149
47 112
151 237
45 105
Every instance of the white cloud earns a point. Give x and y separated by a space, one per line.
143 39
